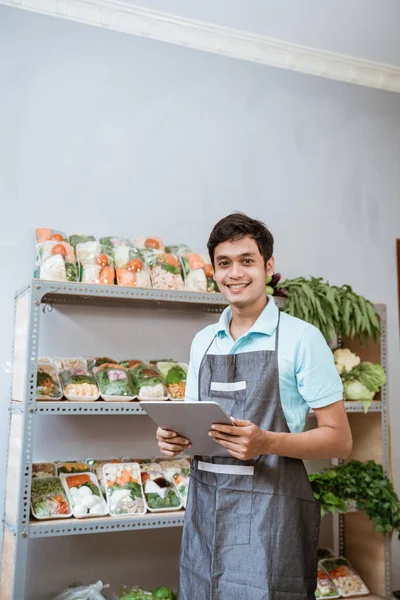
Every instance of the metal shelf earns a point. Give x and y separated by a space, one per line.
62 527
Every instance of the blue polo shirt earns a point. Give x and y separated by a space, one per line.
307 374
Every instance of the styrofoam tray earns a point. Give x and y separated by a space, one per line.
151 399
156 467
64 480
137 475
107 398
335 580
68 516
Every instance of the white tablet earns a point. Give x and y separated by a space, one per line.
191 420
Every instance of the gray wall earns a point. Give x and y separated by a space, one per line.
113 134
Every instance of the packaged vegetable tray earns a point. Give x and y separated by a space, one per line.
48 385
114 383
70 362
96 466
165 272
160 492
79 385
131 267
84 495
148 382
198 273
325 586
96 264
177 249
179 470
48 499
69 467
80 238
56 261
174 375
130 364
345 578
124 489
148 243
99 360
44 469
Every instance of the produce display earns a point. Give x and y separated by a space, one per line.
159 491
131 267
48 499
179 470
124 489
44 469
147 382
96 263
367 485
334 310
165 272
113 382
57 261
69 467
84 495
48 385
344 577
325 586
361 380
79 385
174 375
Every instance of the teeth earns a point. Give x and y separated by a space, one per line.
237 287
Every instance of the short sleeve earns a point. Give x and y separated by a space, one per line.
192 379
318 381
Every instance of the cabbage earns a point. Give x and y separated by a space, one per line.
371 375
355 390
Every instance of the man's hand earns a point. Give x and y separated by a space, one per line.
170 443
244 440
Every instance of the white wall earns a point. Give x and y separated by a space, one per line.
120 135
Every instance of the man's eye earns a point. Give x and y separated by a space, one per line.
223 263
248 261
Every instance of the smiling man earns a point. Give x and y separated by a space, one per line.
252 523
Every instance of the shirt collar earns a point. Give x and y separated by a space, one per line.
266 323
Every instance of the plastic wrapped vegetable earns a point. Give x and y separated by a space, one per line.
325 586
148 382
130 364
124 489
179 470
79 385
80 238
96 264
57 261
149 243
43 234
175 377
136 593
100 360
178 249
131 267
346 580
160 493
96 466
84 495
198 273
165 272
48 385
44 469
114 382
69 467
85 592
114 242
48 499
73 362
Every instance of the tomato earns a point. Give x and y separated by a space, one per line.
102 260
59 249
170 259
57 237
152 243
134 265
208 270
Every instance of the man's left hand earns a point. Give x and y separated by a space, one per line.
244 440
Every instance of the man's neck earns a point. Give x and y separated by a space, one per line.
243 318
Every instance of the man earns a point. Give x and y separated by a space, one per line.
252 523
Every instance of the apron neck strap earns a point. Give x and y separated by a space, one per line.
277 333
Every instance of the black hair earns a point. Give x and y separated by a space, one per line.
236 226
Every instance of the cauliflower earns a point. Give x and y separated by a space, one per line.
345 360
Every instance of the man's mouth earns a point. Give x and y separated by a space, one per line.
236 286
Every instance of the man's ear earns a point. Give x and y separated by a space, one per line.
269 269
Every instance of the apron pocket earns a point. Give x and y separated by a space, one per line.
230 395
233 517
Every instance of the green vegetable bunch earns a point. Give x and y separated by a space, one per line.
334 310
137 593
367 485
155 501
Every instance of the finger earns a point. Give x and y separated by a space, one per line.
231 430
224 436
178 440
164 433
228 444
241 422
172 447
167 453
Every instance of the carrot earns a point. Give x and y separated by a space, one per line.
107 276
126 278
70 251
43 234
78 480
195 261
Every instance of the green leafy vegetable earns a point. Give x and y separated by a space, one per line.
71 271
163 593
175 375
114 381
155 500
367 485
76 239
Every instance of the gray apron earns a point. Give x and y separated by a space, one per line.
251 527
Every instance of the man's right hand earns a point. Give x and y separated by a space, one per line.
170 443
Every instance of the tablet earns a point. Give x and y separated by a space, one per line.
191 420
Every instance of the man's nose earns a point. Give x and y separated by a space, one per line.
236 270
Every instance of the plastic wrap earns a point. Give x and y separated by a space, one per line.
44 469
179 470
80 238
69 362
79 385
174 375
56 261
71 467
147 382
114 383
48 499
114 241
160 492
48 385
124 489
325 586
96 466
84 495
43 234
149 243
86 592
131 267
165 272
96 264
345 578
198 273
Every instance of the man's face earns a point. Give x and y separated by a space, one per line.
240 271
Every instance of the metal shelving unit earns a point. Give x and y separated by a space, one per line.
18 527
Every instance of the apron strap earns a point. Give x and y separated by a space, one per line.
201 364
277 334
